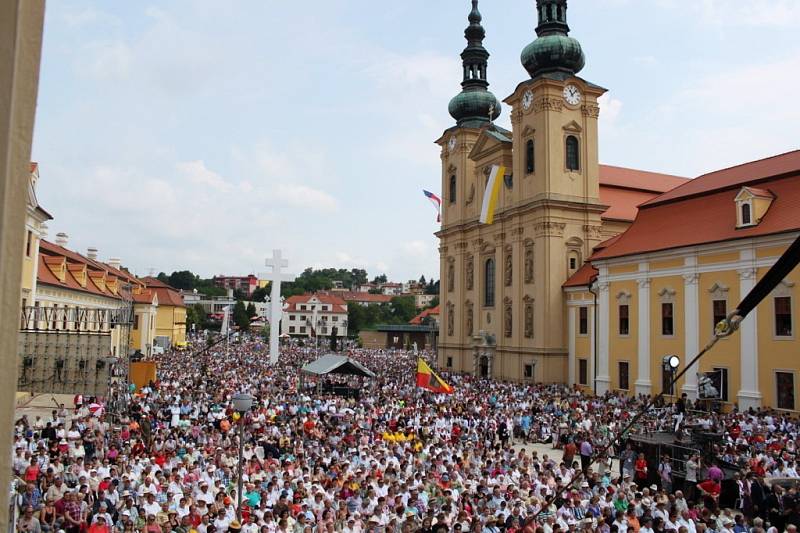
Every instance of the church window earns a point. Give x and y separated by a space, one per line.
530 163
488 278
783 316
719 311
624 319
784 382
573 157
746 216
573 263
452 195
623 369
583 371
667 322
583 321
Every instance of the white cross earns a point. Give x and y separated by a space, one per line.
276 263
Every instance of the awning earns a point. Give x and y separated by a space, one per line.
337 364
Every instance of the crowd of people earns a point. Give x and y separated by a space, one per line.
491 456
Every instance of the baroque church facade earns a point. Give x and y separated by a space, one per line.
503 310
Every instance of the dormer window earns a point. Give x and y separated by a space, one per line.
746 210
751 206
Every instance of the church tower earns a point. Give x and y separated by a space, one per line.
502 310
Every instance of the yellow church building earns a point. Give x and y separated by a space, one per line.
519 300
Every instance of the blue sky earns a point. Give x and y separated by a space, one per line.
201 135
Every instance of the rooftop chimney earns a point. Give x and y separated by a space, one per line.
62 239
91 253
115 262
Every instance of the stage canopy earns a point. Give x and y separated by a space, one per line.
337 364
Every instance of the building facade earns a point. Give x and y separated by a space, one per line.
171 315
244 284
686 262
318 314
501 299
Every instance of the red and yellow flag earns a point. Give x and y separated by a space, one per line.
428 379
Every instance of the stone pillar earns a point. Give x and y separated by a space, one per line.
643 385
21 24
603 380
691 327
571 346
749 395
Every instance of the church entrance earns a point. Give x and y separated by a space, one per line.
484 367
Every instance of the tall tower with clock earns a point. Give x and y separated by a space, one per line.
502 312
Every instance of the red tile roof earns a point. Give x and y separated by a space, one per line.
417 320
623 189
752 172
582 277
167 295
643 180
338 305
354 296
705 212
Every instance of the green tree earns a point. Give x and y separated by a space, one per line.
240 317
380 279
196 314
359 277
432 288
162 277
251 310
259 295
183 279
422 281
403 309
434 302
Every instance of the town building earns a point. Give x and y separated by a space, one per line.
420 332
315 315
360 298
688 259
171 316
501 282
244 284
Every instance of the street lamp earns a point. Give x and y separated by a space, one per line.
241 404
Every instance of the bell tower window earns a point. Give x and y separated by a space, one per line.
572 153
452 190
488 280
530 162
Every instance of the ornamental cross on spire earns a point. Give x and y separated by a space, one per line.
277 263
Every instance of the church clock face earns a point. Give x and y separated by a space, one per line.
527 100
572 95
451 144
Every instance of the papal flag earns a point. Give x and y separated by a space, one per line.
428 379
491 193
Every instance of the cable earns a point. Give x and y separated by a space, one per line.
785 264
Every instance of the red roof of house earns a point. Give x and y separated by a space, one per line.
624 189
736 176
643 180
167 295
703 210
354 296
582 277
337 304
417 320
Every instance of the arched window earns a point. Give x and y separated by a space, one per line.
453 189
573 154
530 162
746 217
488 280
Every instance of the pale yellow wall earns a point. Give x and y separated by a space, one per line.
666 264
726 354
171 322
707 259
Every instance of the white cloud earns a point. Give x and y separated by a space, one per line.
610 109
105 60
306 197
199 174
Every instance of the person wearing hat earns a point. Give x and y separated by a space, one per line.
235 526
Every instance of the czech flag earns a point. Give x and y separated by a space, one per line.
428 379
437 203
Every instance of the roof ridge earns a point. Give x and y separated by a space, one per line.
748 163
